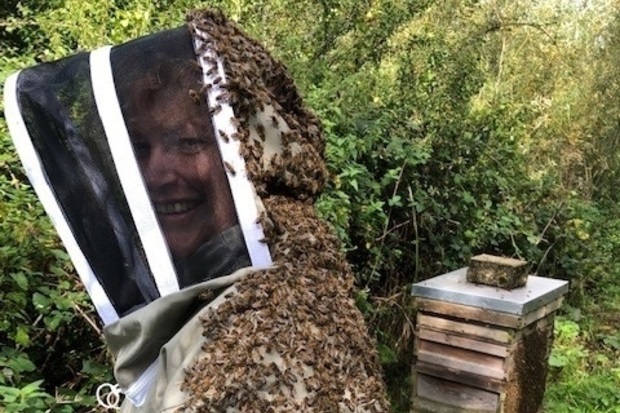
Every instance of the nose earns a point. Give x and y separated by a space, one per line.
158 169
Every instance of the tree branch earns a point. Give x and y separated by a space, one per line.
497 25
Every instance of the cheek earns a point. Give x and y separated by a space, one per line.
207 170
188 170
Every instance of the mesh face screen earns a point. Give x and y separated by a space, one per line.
58 108
159 86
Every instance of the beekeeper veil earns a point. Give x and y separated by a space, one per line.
135 152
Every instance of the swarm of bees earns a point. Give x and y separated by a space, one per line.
289 339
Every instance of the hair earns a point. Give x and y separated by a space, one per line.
170 79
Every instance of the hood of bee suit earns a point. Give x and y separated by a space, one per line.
137 196
281 140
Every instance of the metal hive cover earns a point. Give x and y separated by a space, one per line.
453 287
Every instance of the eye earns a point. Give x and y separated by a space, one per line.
191 146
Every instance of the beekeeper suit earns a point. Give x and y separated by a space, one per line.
180 170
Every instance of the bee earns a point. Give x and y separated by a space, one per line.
209 60
230 168
211 71
217 80
223 49
207 295
195 96
246 152
260 128
263 98
274 121
206 87
235 122
202 48
214 111
222 97
223 135
233 97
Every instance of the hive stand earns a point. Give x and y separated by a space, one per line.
481 348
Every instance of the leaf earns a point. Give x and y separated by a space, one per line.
65 409
9 394
386 354
31 387
557 360
21 336
40 301
468 198
395 201
353 183
21 365
21 280
60 254
53 322
93 368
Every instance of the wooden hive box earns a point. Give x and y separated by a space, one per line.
480 348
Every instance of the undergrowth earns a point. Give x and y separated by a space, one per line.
585 361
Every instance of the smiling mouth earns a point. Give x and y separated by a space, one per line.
172 208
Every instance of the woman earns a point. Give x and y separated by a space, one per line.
219 287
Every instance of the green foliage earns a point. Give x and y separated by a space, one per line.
583 380
28 399
43 331
40 303
586 243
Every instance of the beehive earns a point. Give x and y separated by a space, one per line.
480 348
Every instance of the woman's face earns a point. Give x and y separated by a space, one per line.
180 162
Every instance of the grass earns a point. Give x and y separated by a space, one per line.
585 361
